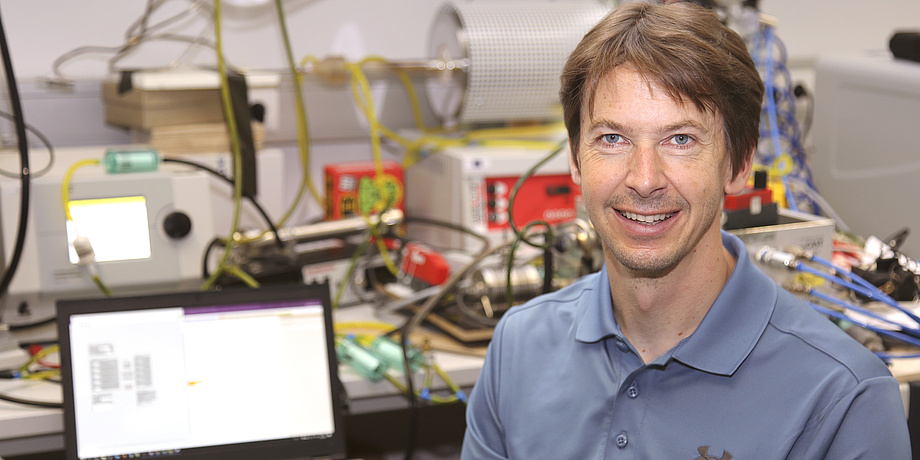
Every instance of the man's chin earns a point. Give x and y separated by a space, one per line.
646 264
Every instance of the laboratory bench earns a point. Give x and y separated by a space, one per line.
375 419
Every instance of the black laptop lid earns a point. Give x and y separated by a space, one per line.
232 374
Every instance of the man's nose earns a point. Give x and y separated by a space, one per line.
645 174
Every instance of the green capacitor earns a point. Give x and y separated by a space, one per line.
361 360
392 353
124 161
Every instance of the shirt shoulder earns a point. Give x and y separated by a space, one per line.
563 301
797 320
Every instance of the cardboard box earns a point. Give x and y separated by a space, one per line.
145 109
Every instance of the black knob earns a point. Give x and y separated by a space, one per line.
177 225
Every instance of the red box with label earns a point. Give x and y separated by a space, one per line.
355 188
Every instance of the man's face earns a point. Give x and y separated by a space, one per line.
653 172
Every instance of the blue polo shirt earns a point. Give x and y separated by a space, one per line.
764 376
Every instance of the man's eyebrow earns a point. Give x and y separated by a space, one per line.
676 126
608 124
684 124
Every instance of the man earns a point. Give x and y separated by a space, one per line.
679 348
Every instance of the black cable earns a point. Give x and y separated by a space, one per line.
451 226
249 197
41 137
549 268
412 429
25 178
413 399
205 273
29 402
468 312
19 327
800 92
11 375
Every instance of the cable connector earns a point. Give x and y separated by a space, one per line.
84 250
801 253
796 287
425 394
776 258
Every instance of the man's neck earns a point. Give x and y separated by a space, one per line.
657 312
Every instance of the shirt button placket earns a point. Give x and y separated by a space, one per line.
622 440
622 345
633 390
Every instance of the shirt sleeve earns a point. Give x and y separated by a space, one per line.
485 437
868 423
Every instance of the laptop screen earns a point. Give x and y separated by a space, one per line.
239 373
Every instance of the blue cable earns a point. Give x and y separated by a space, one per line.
859 285
856 308
874 293
778 121
790 200
838 269
770 96
895 335
865 287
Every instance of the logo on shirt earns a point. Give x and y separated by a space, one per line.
704 454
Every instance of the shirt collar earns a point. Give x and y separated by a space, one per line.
594 318
736 319
727 333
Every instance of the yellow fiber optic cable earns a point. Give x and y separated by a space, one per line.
65 184
65 200
234 147
303 131
361 91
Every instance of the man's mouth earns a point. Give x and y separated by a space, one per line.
646 219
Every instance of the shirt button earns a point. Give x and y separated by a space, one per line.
622 440
633 390
622 346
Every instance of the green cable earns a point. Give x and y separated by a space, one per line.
234 147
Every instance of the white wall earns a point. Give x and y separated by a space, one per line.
40 31
810 28
813 27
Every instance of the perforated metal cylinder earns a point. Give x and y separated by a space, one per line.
516 51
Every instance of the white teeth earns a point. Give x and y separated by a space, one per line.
646 219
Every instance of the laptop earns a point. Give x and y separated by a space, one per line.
233 374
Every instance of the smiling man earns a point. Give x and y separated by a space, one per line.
679 347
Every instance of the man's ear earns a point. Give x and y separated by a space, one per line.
573 164
736 184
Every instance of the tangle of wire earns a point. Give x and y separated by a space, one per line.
781 149
842 278
35 368
140 32
44 140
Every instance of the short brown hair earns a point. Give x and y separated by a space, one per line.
684 48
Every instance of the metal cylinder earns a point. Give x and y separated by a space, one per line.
492 282
516 50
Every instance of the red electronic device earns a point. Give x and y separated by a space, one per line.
471 186
753 207
549 198
423 264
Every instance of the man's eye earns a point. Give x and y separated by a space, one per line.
611 138
681 139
